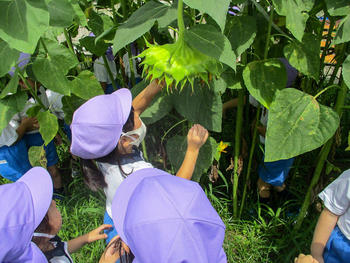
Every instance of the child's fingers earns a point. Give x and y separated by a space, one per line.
103 227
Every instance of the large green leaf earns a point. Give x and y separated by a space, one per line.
296 14
89 43
176 149
37 156
242 33
51 75
202 106
48 125
79 14
11 87
9 106
23 22
346 71
160 106
297 124
343 32
60 55
8 57
228 80
141 21
98 23
86 86
61 13
263 78
338 7
216 9
305 56
211 42
70 104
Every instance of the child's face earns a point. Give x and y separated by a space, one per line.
55 218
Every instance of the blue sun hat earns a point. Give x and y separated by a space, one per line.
23 206
164 218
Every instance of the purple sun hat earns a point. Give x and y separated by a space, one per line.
97 124
164 218
23 206
22 61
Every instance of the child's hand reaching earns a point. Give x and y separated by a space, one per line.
97 234
196 137
305 259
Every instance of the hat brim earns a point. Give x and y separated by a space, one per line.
39 182
124 98
124 193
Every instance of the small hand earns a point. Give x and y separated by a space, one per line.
96 234
111 253
305 259
196 137
31 123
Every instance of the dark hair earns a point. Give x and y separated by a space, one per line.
43 227
124 257
92 175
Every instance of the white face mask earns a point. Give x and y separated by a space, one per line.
140 132
43 235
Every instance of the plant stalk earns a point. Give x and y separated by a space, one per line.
110 74
321 161
239 122
69 40
180 19
131 64
250 162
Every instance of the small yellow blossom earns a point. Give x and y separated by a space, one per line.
222 146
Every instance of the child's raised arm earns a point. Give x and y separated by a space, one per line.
323 230
77 243
144 98
196 137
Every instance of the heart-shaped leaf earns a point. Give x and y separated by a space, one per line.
297 124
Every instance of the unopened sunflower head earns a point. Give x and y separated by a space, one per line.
178 63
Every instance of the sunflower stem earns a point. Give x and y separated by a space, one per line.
180 19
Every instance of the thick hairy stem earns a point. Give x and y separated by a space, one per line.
321 161
180 19
110 74
268 34
239 122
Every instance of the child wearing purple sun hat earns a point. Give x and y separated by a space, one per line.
106 131
165 219
23 206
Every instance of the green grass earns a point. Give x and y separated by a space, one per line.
262 235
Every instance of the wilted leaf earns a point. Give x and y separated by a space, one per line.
37 156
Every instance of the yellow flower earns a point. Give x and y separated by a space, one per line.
222 146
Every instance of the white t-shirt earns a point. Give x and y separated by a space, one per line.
127 66
114 178
263 117
336 198
100 71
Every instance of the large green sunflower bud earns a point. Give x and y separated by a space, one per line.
178 63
